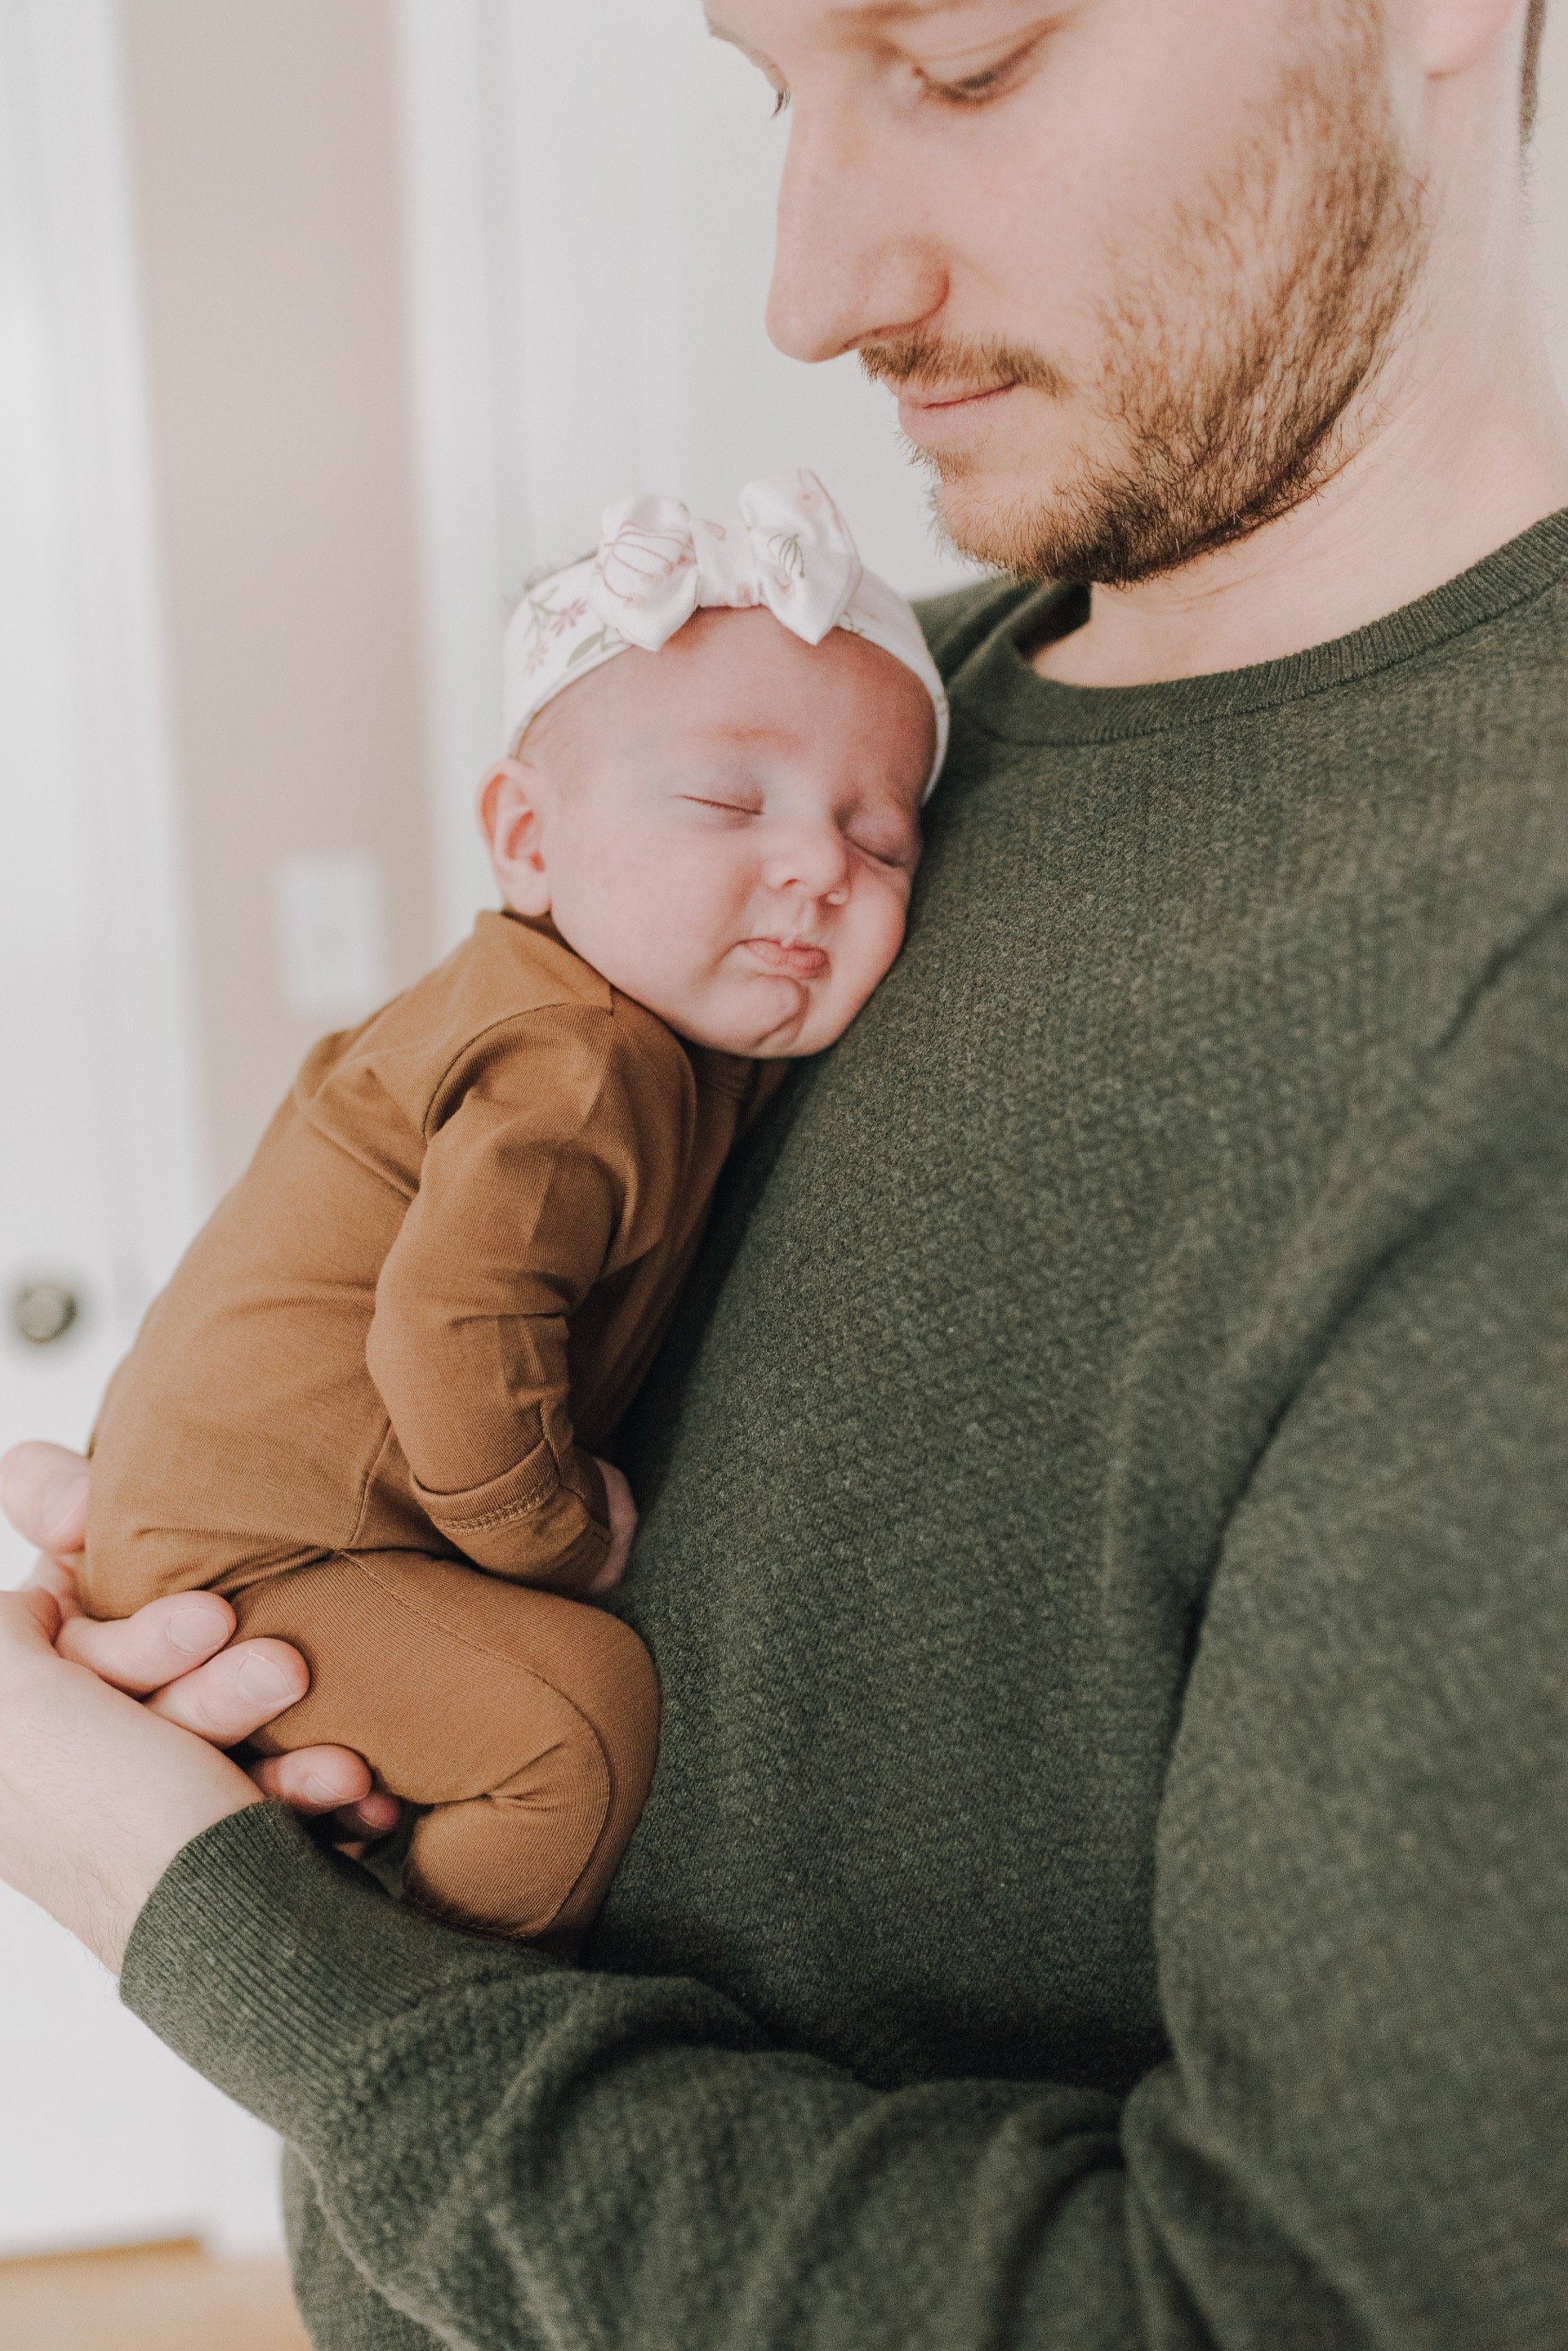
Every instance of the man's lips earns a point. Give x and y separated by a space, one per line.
792 958
948 411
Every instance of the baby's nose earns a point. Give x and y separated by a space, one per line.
817 862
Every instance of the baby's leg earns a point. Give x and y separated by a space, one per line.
529 1722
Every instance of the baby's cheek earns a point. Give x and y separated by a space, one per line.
879 936
893 915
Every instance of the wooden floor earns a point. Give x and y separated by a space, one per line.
157 2298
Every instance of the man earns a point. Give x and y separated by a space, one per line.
1105 1503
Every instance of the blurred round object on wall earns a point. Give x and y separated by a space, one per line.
43 1311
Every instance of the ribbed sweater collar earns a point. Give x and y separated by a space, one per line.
997 687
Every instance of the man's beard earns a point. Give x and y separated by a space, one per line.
1232 367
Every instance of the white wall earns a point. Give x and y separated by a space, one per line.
264 165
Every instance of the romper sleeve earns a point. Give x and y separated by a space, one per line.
549 1150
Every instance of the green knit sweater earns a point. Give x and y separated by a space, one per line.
1106 1508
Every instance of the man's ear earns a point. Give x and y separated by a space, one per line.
508 809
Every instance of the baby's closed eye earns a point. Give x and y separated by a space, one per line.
728 806
899 850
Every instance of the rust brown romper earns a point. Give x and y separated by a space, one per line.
363 1407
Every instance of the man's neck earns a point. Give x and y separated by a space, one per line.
1471 449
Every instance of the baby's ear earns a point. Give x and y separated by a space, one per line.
508 809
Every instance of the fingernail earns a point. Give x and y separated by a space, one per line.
261 1679
191 1630
320 1791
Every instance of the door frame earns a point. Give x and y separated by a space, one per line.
148 1070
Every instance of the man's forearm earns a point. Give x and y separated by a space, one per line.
517 2154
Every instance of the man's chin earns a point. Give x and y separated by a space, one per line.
1109 534
985 516
1004 495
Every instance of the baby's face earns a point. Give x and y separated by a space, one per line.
727 828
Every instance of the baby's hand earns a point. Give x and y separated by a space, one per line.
623 1526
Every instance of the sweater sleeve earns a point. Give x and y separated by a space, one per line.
522 1200
1359 2138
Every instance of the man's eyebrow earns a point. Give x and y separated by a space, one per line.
893 12
865 11
887 12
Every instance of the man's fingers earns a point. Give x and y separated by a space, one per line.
375 1815
172 1652
160 1642
58 1578
28 1622
235 1692
43 1493
315 1781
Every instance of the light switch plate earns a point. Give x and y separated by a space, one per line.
330 919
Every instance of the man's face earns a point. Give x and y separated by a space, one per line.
1132 266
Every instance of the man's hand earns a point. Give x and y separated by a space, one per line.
178 1654
97 1794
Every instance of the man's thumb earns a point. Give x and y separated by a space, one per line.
43 1493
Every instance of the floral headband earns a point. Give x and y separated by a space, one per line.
788 549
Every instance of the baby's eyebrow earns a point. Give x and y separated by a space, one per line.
739 735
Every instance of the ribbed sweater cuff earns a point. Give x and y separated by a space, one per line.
267 1963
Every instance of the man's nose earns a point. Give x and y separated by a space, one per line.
848 267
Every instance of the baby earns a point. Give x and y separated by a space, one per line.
369 1407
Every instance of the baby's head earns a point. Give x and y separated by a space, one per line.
727 828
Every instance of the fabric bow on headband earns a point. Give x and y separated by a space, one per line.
788 550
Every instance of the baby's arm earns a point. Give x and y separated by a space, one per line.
520 1208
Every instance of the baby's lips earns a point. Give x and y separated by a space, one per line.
794 959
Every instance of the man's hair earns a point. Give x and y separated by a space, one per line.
1534 27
